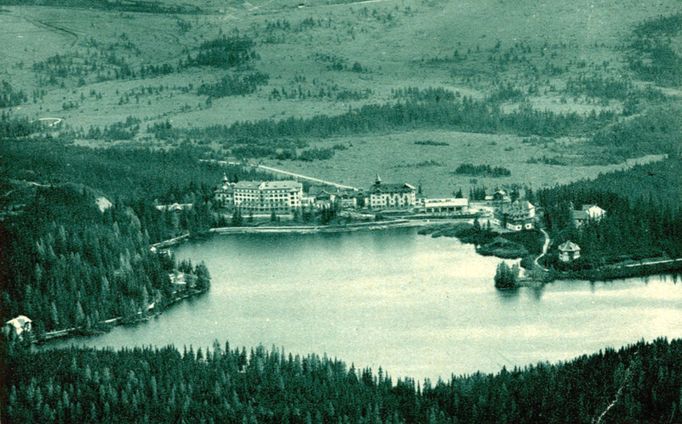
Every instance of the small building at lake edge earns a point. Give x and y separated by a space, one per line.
18 325
568 251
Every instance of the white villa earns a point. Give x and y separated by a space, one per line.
18 325
518 216
587 213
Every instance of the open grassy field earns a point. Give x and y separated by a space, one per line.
396 158
324 57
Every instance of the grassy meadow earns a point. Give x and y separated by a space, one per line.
327 57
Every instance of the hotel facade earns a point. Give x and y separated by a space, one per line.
265 197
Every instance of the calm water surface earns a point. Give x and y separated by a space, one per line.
411 304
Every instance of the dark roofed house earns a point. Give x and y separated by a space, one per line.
323 198
348 199
391 196
518 216
568 251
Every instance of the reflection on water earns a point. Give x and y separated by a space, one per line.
412 304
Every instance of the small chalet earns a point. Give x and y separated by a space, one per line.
586 214
181 280
568 251
499 197
18 325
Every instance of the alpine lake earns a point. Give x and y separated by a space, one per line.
414 305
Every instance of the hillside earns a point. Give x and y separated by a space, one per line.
121 71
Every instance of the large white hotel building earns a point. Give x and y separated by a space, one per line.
264 197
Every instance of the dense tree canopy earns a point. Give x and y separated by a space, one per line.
222 384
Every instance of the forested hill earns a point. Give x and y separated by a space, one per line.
656 181
67 263
643 216
636 384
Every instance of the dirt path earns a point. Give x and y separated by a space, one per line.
544 250
52 27
303 177
663 261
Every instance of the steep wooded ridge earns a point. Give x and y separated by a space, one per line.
638 383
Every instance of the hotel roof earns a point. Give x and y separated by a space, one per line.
269 185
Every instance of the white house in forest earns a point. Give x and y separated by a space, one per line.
18 325
587 213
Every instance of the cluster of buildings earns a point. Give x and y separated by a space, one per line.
284 197
519 215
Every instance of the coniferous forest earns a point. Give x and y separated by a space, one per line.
636 384
643 218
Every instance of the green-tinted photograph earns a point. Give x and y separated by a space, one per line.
340 211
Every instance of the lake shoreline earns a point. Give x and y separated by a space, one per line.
315 229
105 326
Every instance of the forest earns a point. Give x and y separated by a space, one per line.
72 260
140 6
224 52
74 264
653 56
466 115
9 96
482 170
642 221
637 383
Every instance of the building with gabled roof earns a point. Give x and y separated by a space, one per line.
19 325
517 216
587 213
391 196
568 251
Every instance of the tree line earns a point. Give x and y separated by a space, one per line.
637 383
482 170
9 96
464 114
137 6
